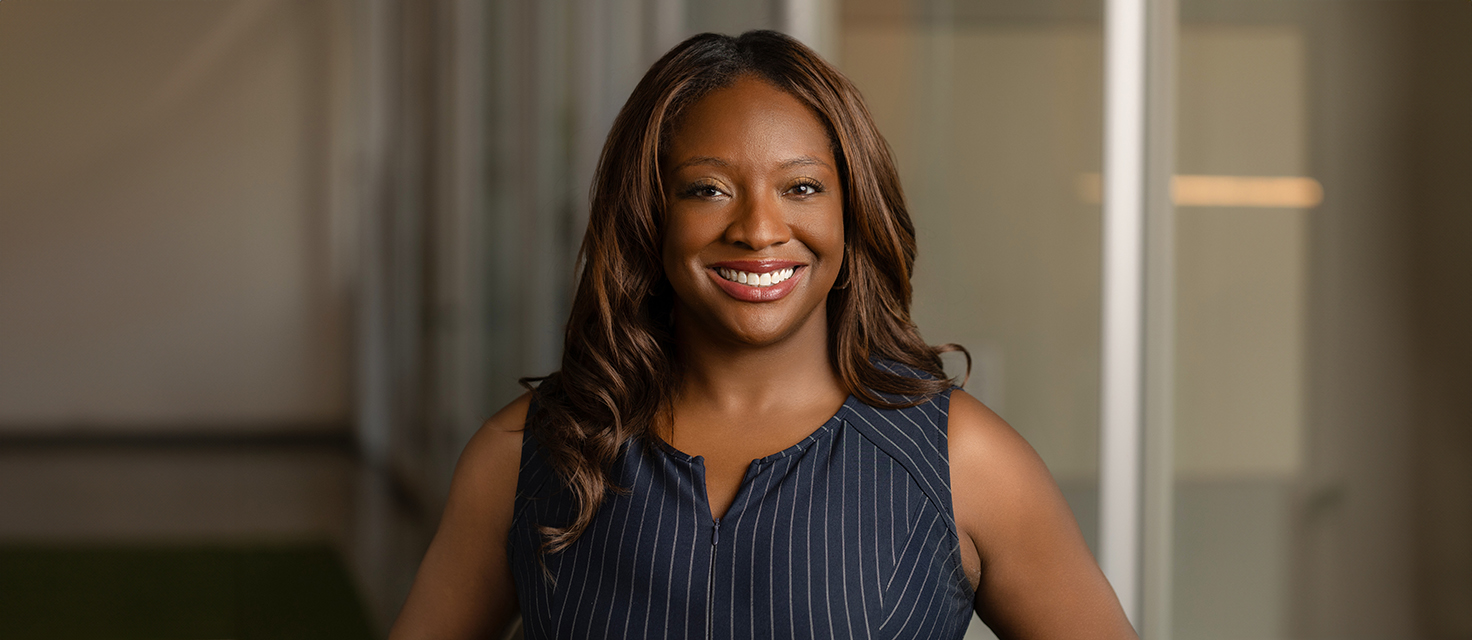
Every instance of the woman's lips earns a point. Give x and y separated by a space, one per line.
757 293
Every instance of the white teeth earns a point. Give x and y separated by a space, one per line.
757 279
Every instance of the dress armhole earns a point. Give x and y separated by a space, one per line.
534 471
915 437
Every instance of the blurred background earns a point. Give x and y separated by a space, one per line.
265 266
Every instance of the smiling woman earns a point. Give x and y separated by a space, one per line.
748 437
751 215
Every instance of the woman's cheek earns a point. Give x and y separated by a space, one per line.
682 247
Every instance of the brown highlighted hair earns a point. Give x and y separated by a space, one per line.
619 367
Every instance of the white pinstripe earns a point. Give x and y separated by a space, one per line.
828 571
650 607
921 580
690 571
669 589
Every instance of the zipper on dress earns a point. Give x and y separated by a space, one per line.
710 584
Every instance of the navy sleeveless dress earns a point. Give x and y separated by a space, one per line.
847 534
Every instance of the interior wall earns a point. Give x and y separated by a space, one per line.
1440 167
1241 290
1353 520
1240 306
167 257
1009 255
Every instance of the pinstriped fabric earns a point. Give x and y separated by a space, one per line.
847 534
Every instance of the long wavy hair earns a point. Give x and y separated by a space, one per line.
619 367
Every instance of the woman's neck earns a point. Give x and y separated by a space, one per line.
726 375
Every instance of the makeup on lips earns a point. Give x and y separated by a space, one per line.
756 280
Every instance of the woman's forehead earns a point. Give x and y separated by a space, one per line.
749 122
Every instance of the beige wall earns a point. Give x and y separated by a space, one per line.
1241 273
167 260
991 126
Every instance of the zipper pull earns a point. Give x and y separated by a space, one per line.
715 534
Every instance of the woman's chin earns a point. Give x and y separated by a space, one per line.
759 337
767 329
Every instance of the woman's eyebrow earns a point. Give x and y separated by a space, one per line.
702 160
802 161
717 162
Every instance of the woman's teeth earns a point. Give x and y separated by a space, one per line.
756 279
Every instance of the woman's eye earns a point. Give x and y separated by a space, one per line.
805 189
703 191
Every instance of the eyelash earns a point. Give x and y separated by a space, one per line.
696 190
810 183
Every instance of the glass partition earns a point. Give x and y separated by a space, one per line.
994 112
1321 244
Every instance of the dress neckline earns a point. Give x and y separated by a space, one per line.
828 426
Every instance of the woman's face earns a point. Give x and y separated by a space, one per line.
754 214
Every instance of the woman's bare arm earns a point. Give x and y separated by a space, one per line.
1020 543
464 589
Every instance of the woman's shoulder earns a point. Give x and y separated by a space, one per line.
493 455
463 587
999 481
510 419
975 430
1014 521
987 453
506 426
957 449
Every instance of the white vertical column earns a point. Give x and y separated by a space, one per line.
665 27
1158 473
812 22
1122 392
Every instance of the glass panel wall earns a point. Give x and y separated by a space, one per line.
1322 290
994 117
994 112
1241 304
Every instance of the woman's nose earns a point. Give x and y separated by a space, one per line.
760 223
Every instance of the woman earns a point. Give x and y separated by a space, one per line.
748 438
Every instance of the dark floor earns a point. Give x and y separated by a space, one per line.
226 497
169 591
121 502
